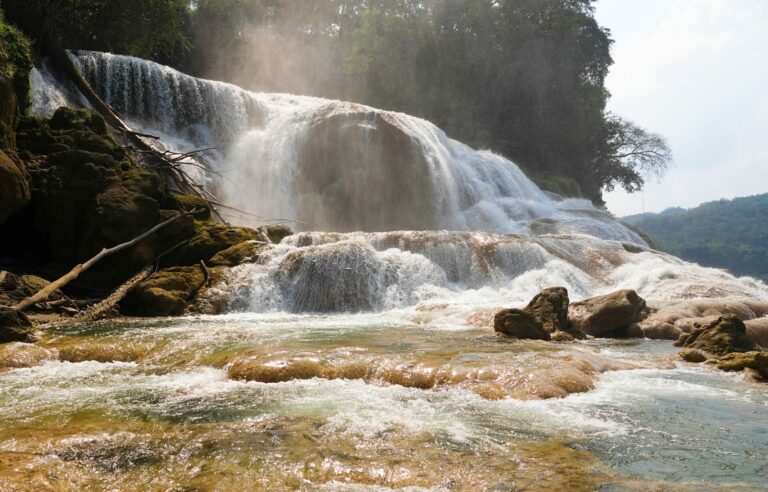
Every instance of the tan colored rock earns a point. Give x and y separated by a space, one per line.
601 315
519 324
550 308
755 360
757 331
692 355
168 292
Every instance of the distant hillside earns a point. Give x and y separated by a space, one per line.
730 234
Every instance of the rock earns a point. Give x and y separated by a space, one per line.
17 355
687 325
757 361
188 203
14 326
245 252
14 288
692 355
723 336
603 314
73 119
14 187
276 233
520 324
168 292
550 308
658 330
562 336
210 238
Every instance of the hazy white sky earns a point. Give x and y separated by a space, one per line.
695 71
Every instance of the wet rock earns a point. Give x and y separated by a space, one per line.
190 203
245 252
520 324
562 336
550 308
17 355
692 355
601 315
723 336
757 361
14 326
168 292
73 119
657 330
276 233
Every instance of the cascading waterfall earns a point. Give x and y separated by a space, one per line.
336 166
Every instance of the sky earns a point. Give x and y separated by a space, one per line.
696 72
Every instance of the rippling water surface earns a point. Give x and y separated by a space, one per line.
429 407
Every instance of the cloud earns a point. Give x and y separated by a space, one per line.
692 70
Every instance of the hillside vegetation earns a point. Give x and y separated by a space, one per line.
730 234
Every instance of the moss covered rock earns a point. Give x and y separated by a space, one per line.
210 238
14 326
725 335
78 119
692 355
168 292
757 361
245 252
190 203
15 62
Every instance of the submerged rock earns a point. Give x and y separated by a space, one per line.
14 326
599 316
722 336
520 324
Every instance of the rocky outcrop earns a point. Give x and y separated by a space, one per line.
550 308
168 292
244 252
14 288
14 182
608 314
725 335
14 326
519 324
756 361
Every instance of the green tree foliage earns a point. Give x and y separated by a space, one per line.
154 29
15 60
524 78
730 234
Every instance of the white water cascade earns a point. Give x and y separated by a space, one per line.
336 166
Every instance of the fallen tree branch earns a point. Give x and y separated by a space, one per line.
102 308
49 289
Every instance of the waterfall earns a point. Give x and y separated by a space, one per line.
336 166
444 224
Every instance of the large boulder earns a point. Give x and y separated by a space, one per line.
725 335
351 149
550 308
168 292
519 324
14 326
599 316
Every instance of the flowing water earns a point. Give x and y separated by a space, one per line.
365 360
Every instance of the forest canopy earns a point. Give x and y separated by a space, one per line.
525 78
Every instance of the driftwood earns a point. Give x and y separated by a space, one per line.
102 308
45 292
